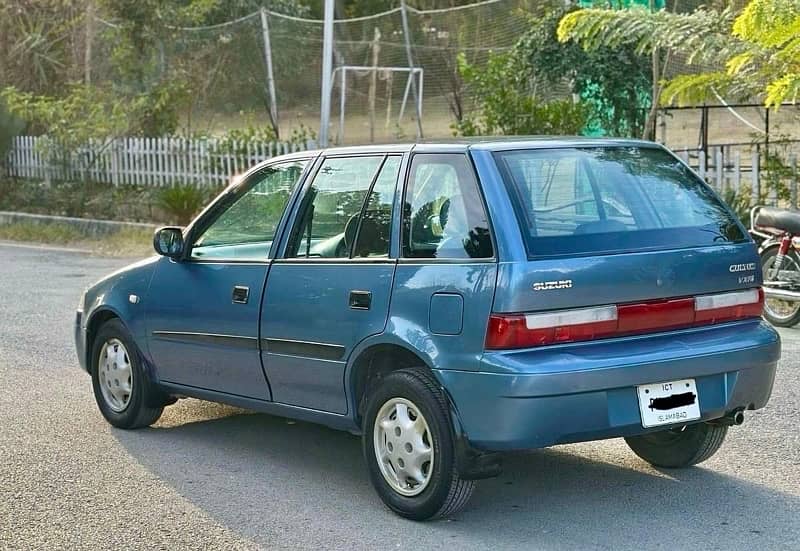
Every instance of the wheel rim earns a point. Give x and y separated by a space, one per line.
115 375
403 446
780 310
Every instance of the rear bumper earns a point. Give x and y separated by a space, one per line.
587 391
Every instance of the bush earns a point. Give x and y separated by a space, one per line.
182 203
507 106
10 127
82 200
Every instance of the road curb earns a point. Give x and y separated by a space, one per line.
41 247
88 226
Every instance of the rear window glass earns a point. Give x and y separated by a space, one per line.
611 199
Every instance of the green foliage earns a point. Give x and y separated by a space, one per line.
79 199
776 174
759 48
181 203
157 112
10 127
739 203
81 114
613 85
36 43
615 80
508 106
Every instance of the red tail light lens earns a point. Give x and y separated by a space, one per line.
729 306
507 331
656 315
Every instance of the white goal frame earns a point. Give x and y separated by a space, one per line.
413 72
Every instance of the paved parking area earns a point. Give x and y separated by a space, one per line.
211 476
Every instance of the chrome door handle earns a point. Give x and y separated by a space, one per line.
241 294
360 300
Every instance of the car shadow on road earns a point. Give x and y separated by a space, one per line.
282 483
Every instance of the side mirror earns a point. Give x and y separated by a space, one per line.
169 242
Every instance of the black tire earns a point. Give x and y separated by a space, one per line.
146 401
767 257
446 493
681 447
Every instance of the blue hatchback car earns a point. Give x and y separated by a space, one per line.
450 302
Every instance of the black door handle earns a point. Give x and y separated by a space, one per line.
360 300
241 294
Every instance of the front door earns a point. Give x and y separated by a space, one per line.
331 288
203 319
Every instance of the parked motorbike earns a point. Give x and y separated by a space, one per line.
777 232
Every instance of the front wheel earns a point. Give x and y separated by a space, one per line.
122 389
409 447
679 447
778 312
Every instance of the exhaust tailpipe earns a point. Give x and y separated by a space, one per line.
734 418
781 294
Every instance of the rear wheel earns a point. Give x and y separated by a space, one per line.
409 447
679 447
780 312
122 389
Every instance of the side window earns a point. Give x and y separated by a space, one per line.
443 214
376 223
246 229
329 216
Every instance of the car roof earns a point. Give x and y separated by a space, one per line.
461 145
489 143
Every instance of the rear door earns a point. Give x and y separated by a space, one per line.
331 287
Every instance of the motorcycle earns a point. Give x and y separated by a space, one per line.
777 233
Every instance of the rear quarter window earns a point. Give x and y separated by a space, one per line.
611 199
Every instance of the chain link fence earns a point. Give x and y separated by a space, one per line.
228 67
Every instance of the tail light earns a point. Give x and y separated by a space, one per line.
507 331
729 306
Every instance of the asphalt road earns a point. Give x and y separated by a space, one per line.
210 476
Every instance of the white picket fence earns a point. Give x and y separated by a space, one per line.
142 161
726 169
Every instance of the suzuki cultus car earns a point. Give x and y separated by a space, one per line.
450 302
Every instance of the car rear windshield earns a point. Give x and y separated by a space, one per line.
611 199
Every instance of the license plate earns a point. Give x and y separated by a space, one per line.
668 403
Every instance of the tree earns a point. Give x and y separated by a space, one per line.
522 91
615 81
39 42
757 50
508 105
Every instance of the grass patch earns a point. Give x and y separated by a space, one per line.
125 242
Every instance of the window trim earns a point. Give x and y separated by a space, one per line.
213 211
296 214
407 181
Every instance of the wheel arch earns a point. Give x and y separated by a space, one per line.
95 321
374 361
381 358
